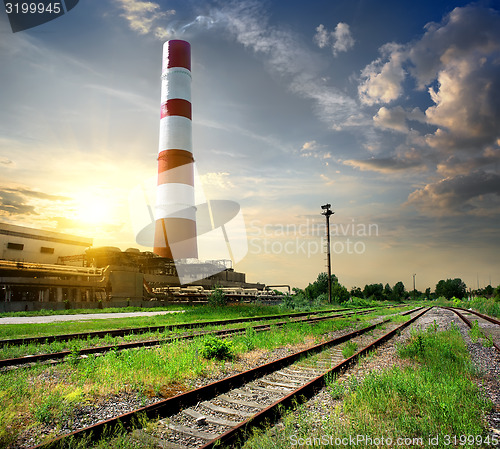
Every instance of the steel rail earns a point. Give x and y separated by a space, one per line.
175 404
59 356
467 321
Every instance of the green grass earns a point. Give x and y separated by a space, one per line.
191 314
436 397
488 306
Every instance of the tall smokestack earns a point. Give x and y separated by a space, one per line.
175 227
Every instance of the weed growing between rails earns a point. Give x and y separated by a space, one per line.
425 405
476 334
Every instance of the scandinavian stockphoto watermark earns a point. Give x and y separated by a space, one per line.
382 441
309 237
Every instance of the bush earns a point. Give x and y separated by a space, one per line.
296 302
215 348
217 298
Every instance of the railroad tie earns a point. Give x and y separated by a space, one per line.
288 378
225 410
211 419
296 375
192 432
278 384
151 441
236 401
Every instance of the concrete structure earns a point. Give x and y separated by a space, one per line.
20 243
175 214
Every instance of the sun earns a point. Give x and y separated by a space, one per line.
94 209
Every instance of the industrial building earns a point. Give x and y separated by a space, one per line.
49 270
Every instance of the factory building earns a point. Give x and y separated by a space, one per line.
22 244
49 270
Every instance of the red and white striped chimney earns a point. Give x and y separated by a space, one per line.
175 227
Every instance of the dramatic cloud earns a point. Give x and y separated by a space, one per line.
339 40
20 201
457 62
467 110
455 165
477 192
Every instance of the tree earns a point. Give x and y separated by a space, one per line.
451 288
488 291
387 292
374 291
356 292
319 286
340 294
399 291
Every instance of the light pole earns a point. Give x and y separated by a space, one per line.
327 212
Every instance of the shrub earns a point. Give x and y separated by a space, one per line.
296 302
217 298
215 348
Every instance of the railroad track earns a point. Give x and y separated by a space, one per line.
153 329
489 326
224 411
58 357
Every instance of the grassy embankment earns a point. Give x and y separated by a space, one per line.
46 397
488 306
434 402
189 314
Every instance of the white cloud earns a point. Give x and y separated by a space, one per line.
382 80
144 16
312 149
340 40
219 180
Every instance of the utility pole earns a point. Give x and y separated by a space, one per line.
414 292
327 212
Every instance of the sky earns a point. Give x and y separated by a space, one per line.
387 110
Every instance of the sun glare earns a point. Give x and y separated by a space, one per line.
94 210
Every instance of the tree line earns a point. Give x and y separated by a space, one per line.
449 288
